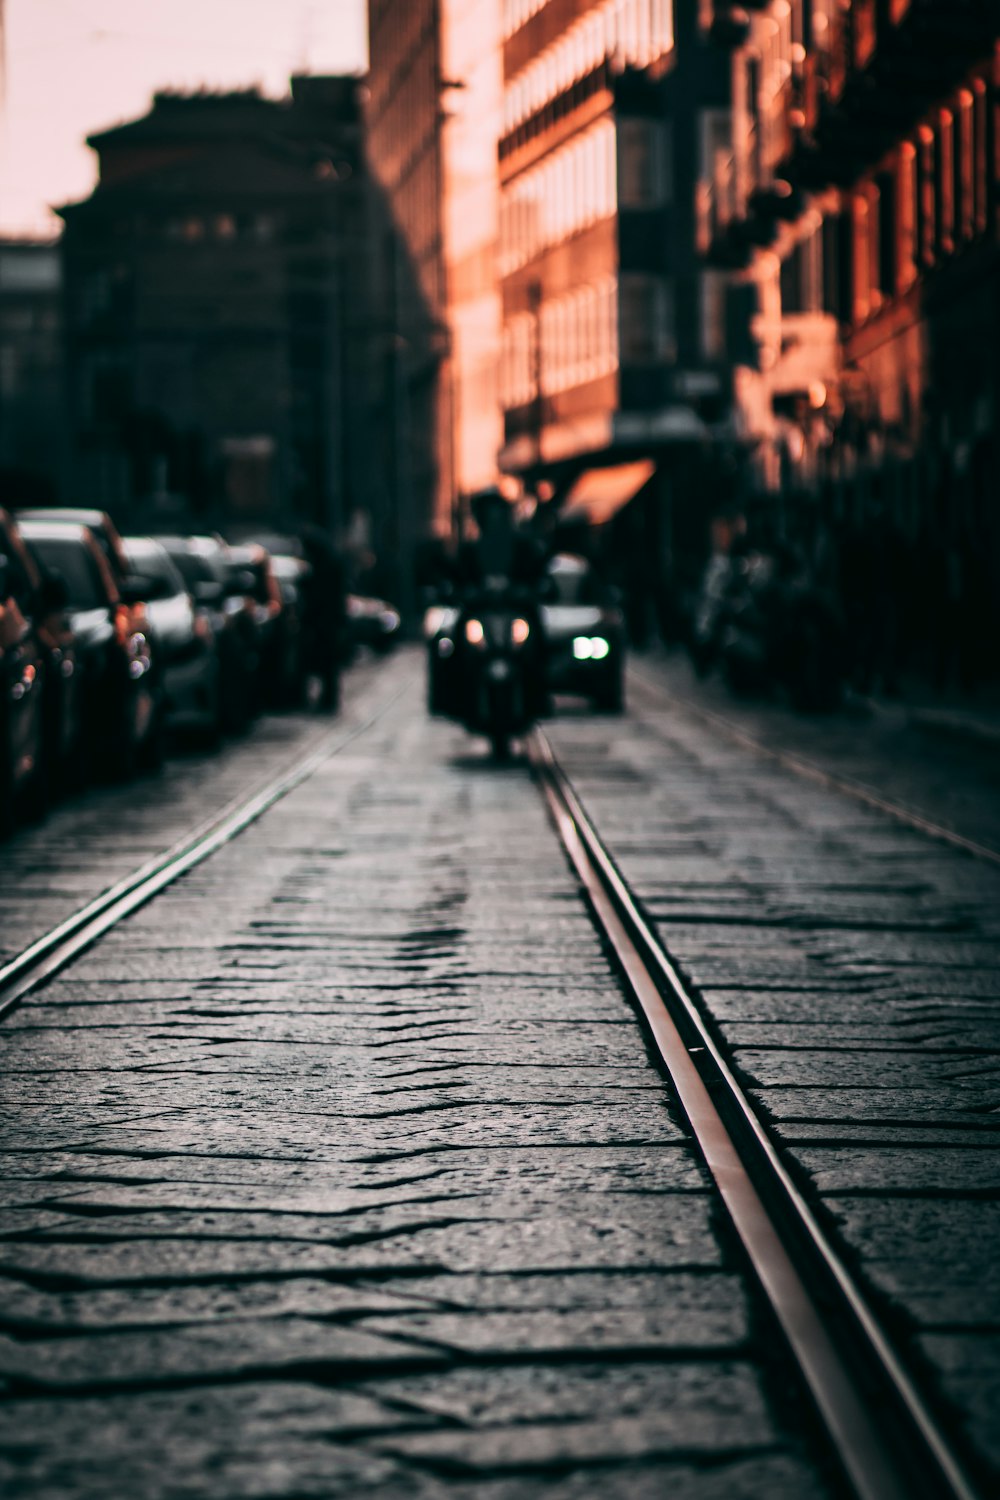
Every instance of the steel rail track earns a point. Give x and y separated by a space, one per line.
808 769
61 945
881 1430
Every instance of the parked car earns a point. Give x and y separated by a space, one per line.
122 709
585 634
252 574
204 564
324 644
101 528
372 622
24 669
183 639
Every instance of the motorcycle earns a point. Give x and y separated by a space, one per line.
486 664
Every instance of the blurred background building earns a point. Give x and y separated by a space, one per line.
433 122
209 280
33 445
856 200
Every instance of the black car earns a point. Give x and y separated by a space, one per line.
584 634
204 564
24 670
122 706
183 640
101 528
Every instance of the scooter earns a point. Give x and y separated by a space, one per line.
487 665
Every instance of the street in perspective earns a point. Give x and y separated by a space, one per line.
500 750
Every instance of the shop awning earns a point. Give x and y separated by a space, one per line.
598 494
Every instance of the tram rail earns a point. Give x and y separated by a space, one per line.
809 770
883 1433
36 964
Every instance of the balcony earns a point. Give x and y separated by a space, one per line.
886 64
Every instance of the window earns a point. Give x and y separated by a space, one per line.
964 171
927 197
945 182
646 318
980 154
643 163
907 188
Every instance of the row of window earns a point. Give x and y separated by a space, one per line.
585 333
573 339
624 33
517 12
614 164
572 188
933 198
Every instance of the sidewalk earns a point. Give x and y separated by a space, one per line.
974 719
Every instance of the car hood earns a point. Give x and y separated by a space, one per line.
171 620
90 627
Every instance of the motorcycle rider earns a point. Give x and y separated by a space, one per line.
507 564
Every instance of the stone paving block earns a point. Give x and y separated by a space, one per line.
969 1168
970 1366
976 1077
172 1262
198 1353
890 1106
695 1317
24 1309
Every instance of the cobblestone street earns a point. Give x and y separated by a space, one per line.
344 1168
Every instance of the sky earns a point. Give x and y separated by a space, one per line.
77 66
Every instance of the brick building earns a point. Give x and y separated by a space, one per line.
33 448
433 121
212 286
856 200
614 371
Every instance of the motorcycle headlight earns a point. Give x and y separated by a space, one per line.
474 633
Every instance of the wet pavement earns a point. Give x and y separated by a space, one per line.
342 1168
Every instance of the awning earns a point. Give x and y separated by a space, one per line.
598 494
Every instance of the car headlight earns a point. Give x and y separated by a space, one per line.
519 631
590 648
474 633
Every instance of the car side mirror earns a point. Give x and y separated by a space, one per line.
53 594
136 589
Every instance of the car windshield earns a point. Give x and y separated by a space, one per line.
576 586
154 562
73 562
193 569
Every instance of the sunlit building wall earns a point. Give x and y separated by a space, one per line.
408 339
434 119
472 85
577 150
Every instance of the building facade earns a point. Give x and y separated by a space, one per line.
856 203
33 449
212 287
433 120
614 370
